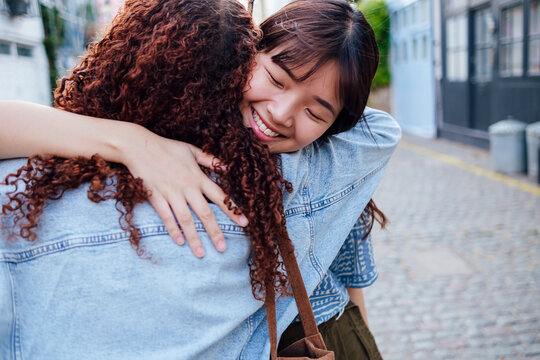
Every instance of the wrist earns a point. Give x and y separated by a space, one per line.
121 136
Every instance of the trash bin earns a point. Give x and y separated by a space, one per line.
533 144
507 143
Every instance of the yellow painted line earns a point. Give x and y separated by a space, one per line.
488 174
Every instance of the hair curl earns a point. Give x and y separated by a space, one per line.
158 66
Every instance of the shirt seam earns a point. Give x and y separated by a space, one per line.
332 199
312 257
251 328
94 240
15 330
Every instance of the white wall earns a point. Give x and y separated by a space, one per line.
412 61
264 8
22 77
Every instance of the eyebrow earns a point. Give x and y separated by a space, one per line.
321 101
326 104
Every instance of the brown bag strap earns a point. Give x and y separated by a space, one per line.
300 295
270 303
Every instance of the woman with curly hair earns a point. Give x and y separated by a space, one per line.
157 69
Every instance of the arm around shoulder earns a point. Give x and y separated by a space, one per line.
27 129
352 156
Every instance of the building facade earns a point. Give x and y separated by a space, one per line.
491 66
411 62
24 71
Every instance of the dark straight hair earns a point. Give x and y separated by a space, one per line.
318 31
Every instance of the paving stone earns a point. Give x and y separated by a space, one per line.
533 350
460 262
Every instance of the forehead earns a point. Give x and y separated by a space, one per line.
299 65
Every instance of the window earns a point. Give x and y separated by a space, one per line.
414 8
24 51
415 49
404 51
455 4
483 45
425 11
393 22
395 52
511 48
424 47
534 38
456 48
5 48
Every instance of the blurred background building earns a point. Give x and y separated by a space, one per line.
412 59
482 64
24 71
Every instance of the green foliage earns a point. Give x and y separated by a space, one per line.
53 26
376 13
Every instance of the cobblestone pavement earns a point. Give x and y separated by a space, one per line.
459 263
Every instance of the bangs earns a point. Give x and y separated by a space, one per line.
293 59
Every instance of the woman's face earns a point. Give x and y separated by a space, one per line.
285 114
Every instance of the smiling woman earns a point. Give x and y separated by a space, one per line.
308 81
287 114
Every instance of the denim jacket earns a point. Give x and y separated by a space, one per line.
81 292
353 267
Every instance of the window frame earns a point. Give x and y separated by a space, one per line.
530 37
510 42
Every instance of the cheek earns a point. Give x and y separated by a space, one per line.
309 132
255 88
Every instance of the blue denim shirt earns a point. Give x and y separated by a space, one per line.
81 291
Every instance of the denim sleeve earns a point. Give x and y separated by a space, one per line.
345 171
348 157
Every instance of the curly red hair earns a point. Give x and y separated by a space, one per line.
160 65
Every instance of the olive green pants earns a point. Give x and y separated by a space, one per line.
348 336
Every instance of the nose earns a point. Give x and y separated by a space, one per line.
282 110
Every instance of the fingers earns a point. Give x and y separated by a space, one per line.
203 158
211 189
217 196
183 215
206 215
165 213
180 209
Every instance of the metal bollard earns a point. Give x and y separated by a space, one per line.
507 144
533 142
538 179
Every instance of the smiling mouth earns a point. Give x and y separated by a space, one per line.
264 129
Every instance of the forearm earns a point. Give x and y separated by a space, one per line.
357 297
27 129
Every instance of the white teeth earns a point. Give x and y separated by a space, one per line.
263 127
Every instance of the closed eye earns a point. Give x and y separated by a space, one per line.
315 116
274 81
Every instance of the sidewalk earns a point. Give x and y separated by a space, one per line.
459 263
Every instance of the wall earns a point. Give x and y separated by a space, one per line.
24 72
412 59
